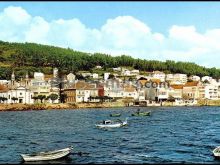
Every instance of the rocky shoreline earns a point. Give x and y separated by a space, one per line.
78 106
63 106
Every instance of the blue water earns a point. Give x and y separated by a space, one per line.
169 135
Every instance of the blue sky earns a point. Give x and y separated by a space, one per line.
176 31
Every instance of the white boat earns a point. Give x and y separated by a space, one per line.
216 152
48 155
112 124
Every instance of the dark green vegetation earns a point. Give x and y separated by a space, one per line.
30 57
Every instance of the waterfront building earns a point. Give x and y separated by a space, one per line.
176 91
39 86
157 90
22 93
18 92
113 88
191 90
130 91
81 92
4 92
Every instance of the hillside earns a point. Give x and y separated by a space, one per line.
31 57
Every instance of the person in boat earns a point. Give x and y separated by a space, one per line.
138 110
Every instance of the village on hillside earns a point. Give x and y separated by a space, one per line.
155 89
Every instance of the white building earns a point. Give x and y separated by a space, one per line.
106 76
55 73
158 75
23 95
71 78
126 72
208 78
194 78
176 78
211 91
4 81
135 72
182 78
117 69
95 76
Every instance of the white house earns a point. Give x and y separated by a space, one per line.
176 78
95 76
106 76
158 75
208 78
194 78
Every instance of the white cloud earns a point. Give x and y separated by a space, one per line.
120 35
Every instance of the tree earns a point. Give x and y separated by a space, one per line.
14 99
53 97
4 99
35 98
63 97
41 97
171 99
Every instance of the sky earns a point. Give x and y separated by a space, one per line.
156 30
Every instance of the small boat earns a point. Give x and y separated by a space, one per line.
216 152
47 155
115 115
112 124
141 114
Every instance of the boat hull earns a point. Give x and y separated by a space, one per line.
141 114
216 152
52 156
116 125
115 115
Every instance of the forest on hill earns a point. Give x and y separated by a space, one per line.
31 57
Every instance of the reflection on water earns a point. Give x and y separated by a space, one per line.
169 135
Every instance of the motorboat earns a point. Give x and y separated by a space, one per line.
115 115
216 152
141 114
111 123
47 155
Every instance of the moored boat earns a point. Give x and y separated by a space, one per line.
47 155
216 152
141 114
115 115
111 124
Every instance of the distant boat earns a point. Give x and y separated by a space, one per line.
115 115
48 155
141 114
216 152
111 124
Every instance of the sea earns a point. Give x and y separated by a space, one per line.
180 135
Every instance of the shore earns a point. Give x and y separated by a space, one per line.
60 106
77 106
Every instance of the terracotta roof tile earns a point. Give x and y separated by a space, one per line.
3 88
193 83
174 86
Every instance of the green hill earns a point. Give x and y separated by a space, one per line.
31 57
